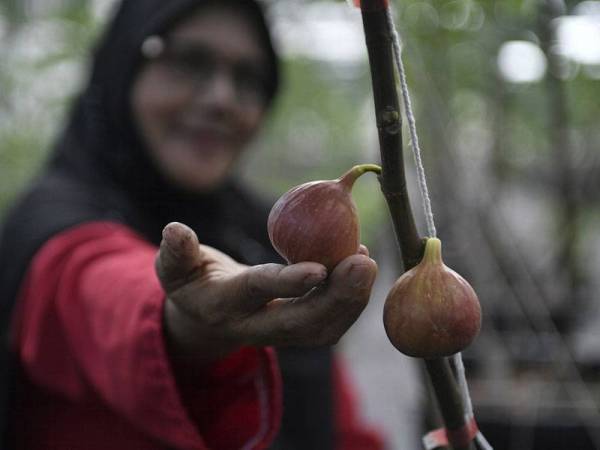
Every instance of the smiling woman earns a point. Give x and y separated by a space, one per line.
200 99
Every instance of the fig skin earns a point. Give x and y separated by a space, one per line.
431 311
318 221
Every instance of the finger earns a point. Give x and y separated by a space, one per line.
352 279
179 256
337 306
260 284
324 315
363 250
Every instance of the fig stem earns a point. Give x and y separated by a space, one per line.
362 168
352 175
433 251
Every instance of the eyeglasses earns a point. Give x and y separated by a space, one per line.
193 65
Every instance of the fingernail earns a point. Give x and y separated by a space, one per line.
173 238
167 230
315 277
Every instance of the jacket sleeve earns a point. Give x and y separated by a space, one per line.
89 328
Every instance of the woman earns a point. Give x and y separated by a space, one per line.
115 347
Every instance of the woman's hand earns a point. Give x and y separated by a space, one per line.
215 304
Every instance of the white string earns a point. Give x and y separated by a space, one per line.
464 388
462 381
412 127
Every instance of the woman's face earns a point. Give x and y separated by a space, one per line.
201 99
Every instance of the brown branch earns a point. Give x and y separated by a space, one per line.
447 395
389 126
393 185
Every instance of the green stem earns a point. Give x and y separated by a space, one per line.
352 175
362 168
433 251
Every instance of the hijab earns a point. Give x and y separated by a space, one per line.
99 170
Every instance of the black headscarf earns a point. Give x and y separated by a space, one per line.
100 170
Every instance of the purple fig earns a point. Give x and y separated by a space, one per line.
317 221
431 311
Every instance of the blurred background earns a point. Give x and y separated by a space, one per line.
507 98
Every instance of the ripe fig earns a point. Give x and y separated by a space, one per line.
431 311
317 221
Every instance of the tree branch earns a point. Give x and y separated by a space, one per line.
393 184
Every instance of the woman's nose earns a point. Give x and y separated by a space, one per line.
218 91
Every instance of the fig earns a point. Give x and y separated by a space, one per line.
431 311
317 221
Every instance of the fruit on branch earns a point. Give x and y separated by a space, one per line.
317 221
431 311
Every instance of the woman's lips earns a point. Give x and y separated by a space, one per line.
206 139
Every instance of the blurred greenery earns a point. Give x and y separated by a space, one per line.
450 51
42 55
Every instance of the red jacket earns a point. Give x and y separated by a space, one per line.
96 375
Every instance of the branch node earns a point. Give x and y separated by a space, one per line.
389 120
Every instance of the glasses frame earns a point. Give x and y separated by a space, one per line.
249 85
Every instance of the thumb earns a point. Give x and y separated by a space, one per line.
179 256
